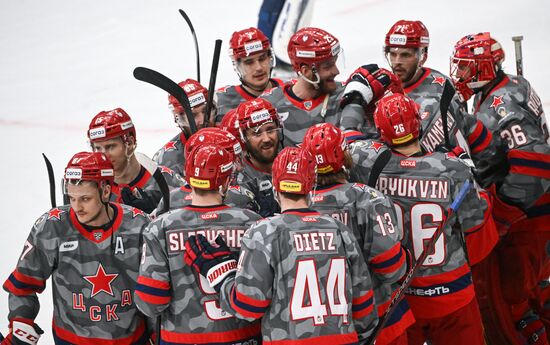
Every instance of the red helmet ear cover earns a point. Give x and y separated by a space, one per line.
89 166
327 144
111 124
408 34
294 171
213 135
246 42
311 46
397 119
208 166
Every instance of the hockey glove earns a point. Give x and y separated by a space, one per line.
213 261
138 198
365 84
22 332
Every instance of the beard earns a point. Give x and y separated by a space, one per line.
264 154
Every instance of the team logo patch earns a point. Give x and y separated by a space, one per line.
438 80
308 104
171 145
376 146
55 214
407 164
497 100
209 216
98 235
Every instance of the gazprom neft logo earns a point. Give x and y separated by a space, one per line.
97 133
305 53
197 99
253 47
126 125
398 39
260 116
73 173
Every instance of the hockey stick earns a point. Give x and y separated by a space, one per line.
52 180
154 169
161 81
379 164
418 263
444 103
186 17
519 56
212 84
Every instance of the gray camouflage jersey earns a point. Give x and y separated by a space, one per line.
303 274
298 115
513 112
166 286
229 97
371 216
93 274
259 184
171 155
423 188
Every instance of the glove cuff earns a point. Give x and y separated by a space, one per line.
218 273
25 331
364 90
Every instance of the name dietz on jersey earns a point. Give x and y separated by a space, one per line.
428 189
435 135
315 241
177 238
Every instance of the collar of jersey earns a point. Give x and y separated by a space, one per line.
326 188
301 212
196 208
106 233
300 103
410 88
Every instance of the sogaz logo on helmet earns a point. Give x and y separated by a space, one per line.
253 47
73 173
197 99
98 132
398 39
260 116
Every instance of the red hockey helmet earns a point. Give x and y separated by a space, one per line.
196 93
327 144
311 46
294 171
111 124
208 167
255 113
213 135
230 123
408 34
397 119
475 62
89 166
246 42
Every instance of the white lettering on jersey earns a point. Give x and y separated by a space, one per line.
119 246
316 241
408 187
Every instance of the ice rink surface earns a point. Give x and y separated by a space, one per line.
62 62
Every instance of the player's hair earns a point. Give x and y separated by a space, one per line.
292 196
328 179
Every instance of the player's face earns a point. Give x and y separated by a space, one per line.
404 62
255 69
328 70
199 114
262 144
116 150
86 202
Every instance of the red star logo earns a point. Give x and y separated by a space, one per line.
497 100
376 146
166 170
136 212
438 80
171 145
101 281
55 213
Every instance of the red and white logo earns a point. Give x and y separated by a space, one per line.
209 216
408 164
101 281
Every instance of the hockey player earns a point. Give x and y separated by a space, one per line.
423 186
113 133
171 154
260 130
513 114
253 60
300 272
91 250
315 96
168 287
370 215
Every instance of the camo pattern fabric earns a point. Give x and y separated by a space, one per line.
166 286
171 155
513 113
259 184
304 275
298 115
93 274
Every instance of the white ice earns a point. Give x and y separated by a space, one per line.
62 62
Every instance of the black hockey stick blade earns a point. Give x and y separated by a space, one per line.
52 180
418 263
186 17
165 191
446 98
212 84
379 164
161 81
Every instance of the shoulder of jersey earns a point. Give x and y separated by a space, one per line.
371 193
224 89
53 216
134 213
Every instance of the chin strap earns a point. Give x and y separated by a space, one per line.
315 83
